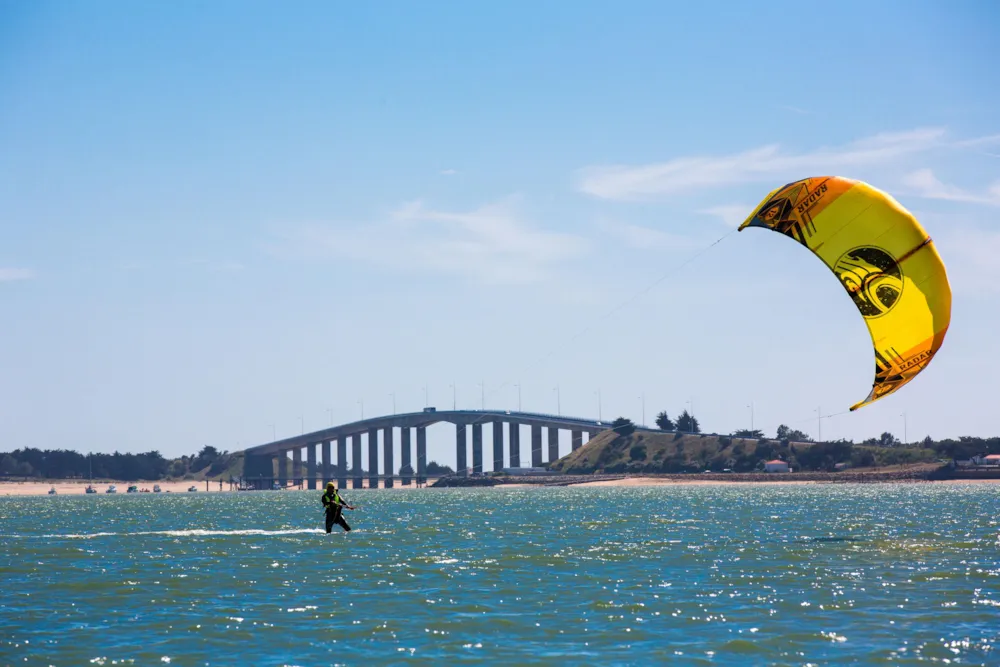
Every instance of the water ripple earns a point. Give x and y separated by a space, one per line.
845 574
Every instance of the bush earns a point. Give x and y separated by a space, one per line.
623 426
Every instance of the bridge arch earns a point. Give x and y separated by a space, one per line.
326 450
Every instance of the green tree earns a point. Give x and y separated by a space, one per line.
209 452
786 433
664 422
888 440
687 423
434 468
623 426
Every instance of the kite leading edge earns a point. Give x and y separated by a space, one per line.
883 258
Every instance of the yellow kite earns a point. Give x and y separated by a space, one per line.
883 258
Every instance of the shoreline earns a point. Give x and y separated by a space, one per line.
655 481
74 487
907 473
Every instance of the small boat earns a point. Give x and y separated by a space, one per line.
156 488
90 489
132 489
112 489
192 489
52 491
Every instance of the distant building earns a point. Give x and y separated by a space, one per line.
777 465
988 460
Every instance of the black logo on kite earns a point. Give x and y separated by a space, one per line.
873 279
788 211
776 214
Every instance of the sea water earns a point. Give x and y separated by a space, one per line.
715 575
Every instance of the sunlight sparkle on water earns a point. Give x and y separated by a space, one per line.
630 575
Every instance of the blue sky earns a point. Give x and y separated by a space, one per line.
215 218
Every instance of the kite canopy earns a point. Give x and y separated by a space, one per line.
883 258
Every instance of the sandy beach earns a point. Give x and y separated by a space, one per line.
76 487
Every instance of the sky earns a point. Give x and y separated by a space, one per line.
221 222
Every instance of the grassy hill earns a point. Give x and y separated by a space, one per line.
667 452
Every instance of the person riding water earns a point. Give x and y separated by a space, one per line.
335 505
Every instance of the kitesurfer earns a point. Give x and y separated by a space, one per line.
334 505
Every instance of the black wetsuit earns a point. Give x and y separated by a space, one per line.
334 505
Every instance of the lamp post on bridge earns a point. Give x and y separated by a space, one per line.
598 392
454 397
482 391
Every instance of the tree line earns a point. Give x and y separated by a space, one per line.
152 466
686 423
962 448
68 464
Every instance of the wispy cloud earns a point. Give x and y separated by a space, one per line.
216 265
979 142
645 238
448 172
492 244
12 274
924 183
730 214
172 264
766 163
970 255
798 110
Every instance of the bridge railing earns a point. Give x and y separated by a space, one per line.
541 415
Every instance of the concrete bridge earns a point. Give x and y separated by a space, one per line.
259 467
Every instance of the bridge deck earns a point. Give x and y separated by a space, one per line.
427 418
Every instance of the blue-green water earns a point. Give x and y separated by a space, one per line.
720 575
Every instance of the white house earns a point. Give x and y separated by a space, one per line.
777 465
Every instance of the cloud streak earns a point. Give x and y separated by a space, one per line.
970 255
766 163
923 183
10 274
491 244
639 237
730 214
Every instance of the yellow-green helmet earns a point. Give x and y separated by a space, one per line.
331 485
